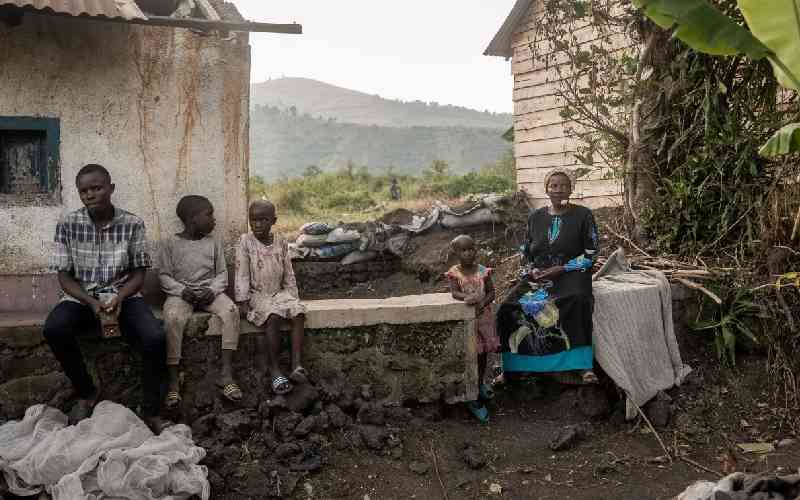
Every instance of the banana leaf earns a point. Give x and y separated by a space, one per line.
784 141
704 28
776 23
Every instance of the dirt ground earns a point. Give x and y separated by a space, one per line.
713 411
623 460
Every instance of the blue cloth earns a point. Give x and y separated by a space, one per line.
578 358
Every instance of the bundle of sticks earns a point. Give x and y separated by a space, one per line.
678 272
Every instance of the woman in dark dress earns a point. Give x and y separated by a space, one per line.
545 325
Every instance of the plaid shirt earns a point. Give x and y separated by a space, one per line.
100 258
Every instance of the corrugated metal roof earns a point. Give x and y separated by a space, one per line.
501 43
111 9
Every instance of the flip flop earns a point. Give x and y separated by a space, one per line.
589 377
299 375
485 392
232 392
480 411
281 385
172 400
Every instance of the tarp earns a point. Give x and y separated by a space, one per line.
110 455
634 338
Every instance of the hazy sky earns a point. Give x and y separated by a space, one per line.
431 50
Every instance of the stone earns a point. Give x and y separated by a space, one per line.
308 464
19 394
204 426
366 392
374 437
338 418
785 443
397 415
420 468
302 398
234 426
371 414
305 426
659 412
321 422
472 455
569 436
264 410
216 481
285 451
592 401
285 424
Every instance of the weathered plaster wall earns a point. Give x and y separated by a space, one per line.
166 111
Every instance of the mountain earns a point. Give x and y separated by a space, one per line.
297 122
321 99
284 143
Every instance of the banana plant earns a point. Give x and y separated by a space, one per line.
774 34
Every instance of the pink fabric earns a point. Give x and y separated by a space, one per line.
487 339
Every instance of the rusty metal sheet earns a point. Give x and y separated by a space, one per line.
111 9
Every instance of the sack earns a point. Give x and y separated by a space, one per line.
331 251
315 228
473 218
340 235
357 256
312 240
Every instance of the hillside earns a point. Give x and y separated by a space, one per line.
284 143
320 99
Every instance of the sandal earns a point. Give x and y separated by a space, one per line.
485 392
480 411
299 375
172 400
232 392
281 385
588 377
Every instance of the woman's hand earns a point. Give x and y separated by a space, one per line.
550 273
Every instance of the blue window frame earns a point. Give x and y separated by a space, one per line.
29 155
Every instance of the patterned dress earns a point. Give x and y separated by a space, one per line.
471 284
265 278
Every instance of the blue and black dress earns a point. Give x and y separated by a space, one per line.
532 341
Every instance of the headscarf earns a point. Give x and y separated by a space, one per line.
569 174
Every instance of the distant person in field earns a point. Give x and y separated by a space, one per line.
194 276
394 190
101 259
267 295
472 283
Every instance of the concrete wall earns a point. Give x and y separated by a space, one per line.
165 110
541 142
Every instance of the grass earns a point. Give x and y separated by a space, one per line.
356 195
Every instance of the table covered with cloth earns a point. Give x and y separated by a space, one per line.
634 339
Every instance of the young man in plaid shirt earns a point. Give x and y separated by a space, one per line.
101 260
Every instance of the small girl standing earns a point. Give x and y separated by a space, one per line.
266 291
193 274
472 283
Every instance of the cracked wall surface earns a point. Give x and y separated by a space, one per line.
165 110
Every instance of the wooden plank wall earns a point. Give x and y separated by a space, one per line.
540 141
